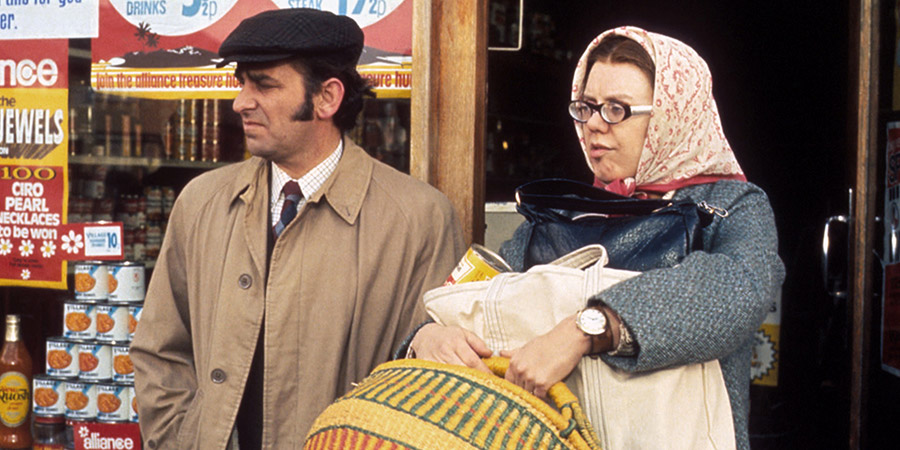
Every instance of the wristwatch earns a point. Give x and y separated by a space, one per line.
594 323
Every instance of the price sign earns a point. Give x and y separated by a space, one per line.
173 18
364 12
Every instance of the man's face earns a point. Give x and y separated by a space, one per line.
273 109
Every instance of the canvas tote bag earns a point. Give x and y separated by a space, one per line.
684 407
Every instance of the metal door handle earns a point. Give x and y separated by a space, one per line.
826 252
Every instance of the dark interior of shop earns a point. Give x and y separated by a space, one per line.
782 81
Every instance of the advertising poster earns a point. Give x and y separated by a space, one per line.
764 363
33 161
890 322
35 240
892 194
890 306
168 50
48 19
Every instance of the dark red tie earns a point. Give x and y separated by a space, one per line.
292 195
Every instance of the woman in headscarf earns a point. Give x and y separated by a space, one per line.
649 127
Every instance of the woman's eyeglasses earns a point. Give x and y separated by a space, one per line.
611 112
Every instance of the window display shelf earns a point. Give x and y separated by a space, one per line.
139 161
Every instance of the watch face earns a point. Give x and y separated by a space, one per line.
592 321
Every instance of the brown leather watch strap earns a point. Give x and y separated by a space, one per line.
602 343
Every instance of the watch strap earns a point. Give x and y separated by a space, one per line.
627 345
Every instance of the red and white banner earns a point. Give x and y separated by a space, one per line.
169 51
35 240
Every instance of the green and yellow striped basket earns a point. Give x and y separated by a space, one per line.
415 404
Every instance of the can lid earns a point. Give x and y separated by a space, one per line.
43 376
90 263
119 303
102 420
87 301
126 263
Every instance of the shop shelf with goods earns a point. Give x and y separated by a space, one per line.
130 157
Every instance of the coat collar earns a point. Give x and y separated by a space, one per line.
344 190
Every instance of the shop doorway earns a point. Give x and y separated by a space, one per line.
782 81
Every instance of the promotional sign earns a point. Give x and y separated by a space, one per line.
48 19
892 195
764 363
890 320
890 302
163 50
35 242
112 436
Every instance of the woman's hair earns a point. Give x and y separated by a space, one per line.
620 49
316 70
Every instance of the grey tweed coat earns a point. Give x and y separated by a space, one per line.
709 306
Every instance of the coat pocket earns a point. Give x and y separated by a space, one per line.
188 431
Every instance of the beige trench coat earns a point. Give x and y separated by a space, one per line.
344 288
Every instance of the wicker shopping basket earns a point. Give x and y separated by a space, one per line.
417 404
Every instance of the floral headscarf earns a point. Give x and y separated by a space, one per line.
685 144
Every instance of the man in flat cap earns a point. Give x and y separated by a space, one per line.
287 277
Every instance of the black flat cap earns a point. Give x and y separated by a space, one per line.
284 33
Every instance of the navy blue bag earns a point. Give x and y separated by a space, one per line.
565 215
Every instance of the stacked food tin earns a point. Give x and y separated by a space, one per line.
89 375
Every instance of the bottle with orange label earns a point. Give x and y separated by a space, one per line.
15 389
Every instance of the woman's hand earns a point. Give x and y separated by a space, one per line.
547 359
450 345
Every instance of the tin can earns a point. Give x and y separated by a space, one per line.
112 321
62 357
138 139
80 320
211 149
103 210
107 135
125 144
134 403
81 400
49 396
478 264
126 281
93 189
94 361
134 312
153 202
123 369
113 402
168 200
91 281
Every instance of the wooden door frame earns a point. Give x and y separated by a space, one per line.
864 46
448 104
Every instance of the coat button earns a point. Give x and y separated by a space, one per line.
245 281
218 376
151 443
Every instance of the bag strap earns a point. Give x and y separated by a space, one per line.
557 193
583 257
570 419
